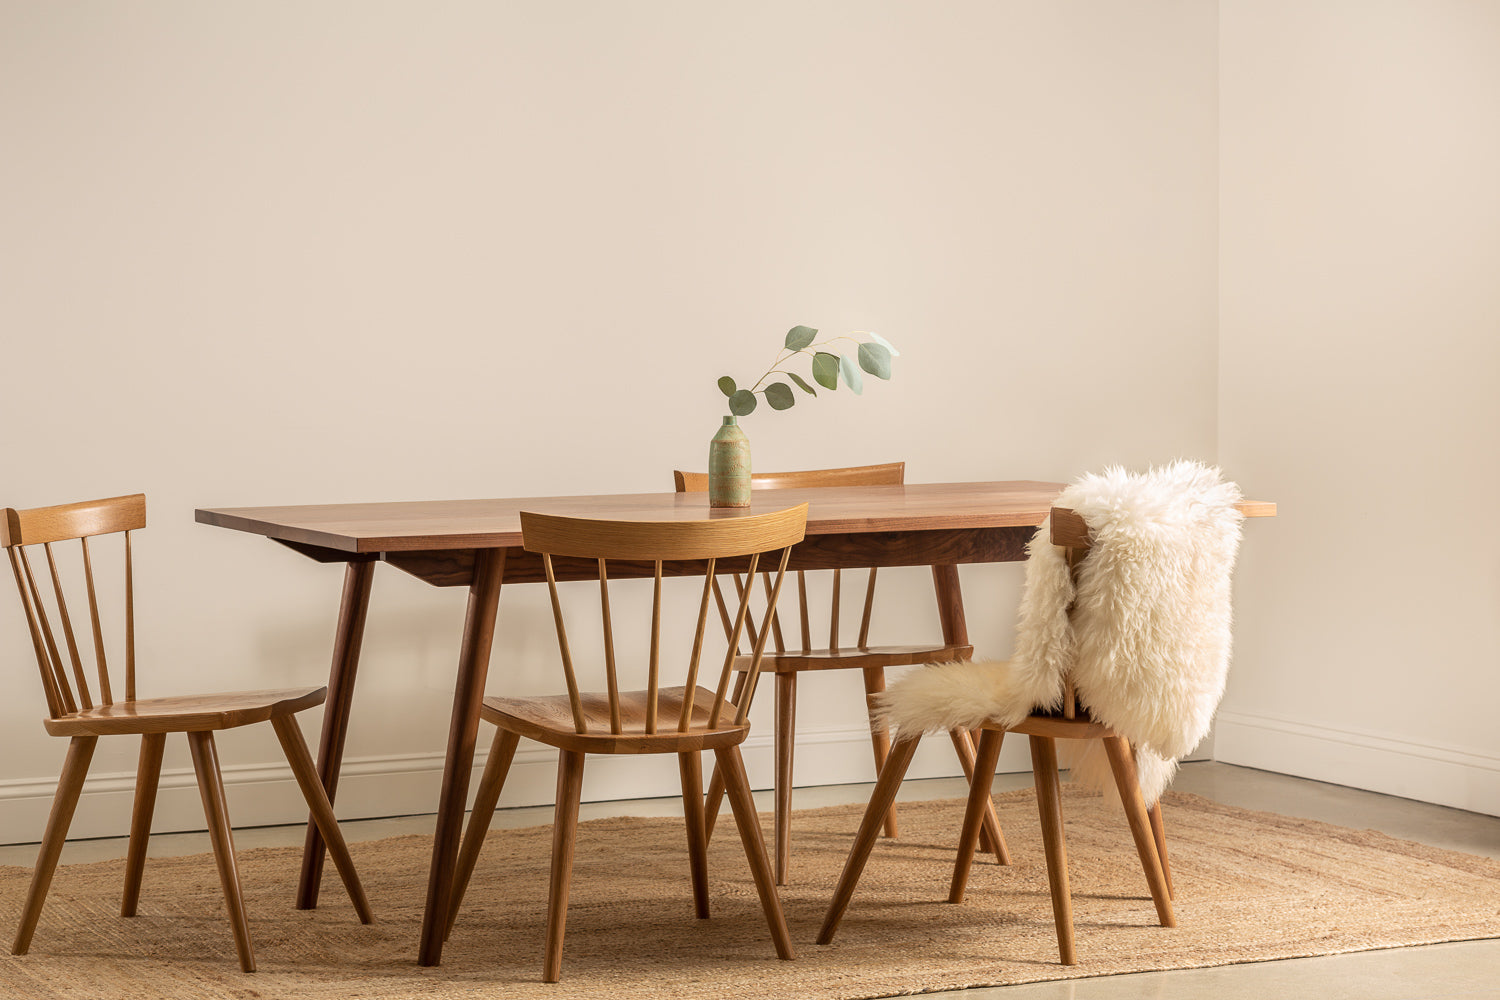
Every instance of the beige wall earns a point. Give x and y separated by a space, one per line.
301 252
1360 387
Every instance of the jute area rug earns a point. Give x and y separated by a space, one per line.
1250 887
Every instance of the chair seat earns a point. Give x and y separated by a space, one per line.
186 713
855 658
549 720
1058 728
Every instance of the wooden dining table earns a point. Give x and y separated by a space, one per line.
477 544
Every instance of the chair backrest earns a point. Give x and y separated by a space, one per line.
660 542
1139 567
68 689
890 474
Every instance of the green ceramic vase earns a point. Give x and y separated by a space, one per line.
729 467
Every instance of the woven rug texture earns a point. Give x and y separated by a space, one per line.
1250 887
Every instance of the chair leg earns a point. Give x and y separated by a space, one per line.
1123 765
147 776
714 800
216 811
295 747
1049 809
64 802
886 787
1159 834
979 794
564 836
502 753
737 787
991 837
785 733
880 739
691 765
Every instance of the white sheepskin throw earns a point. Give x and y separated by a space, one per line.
1147 644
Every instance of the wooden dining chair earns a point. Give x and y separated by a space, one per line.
76 711
685 720
1071 722
840 654
1143 623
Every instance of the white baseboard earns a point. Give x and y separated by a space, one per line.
374 786
1447 776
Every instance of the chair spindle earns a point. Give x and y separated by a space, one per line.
54 659
864 620
802 609
775 616
105 694
723 606
580 724
67 624
743 712
710 586
833 615
55 704
129 623
722 692
743 590
653 668
611 681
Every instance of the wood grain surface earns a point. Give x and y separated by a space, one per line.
470 524
437 525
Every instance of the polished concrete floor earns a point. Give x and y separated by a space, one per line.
1467 969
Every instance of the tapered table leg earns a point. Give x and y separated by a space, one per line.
463 730
346 643
880 740
785 729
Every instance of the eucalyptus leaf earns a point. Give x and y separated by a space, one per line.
779 395
727 386
801 384
886 344
742 402
852 377
825 369
875 359
799 337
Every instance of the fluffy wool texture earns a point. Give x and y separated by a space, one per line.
1147 644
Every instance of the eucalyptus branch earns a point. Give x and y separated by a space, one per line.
777 369
872 357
